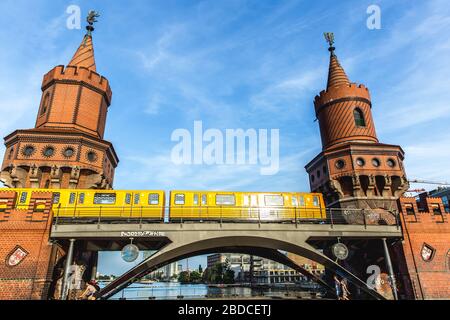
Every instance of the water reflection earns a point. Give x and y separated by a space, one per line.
169 291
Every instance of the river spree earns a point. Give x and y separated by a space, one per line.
173 290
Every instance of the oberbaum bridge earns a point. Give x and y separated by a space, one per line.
368 221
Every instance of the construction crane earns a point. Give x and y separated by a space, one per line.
429 182
416 190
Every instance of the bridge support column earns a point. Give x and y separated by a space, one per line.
65 285
390 269
94 260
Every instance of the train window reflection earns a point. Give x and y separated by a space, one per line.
273 200
56 197
294 201
104 198
195 199
225 199
179 198
72 198
204 199
153 198
128 198
302 201
315 201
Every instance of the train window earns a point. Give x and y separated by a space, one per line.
136 198
81 198
204 200
246 200
225 199
153 198
128 198
316 201
195 199
56 197
104 198
179 198
253 200
72 198
302 201
294 201
23 197
273 200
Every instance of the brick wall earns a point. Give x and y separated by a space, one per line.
430 279
31 278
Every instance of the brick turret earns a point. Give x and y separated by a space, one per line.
354 170
66 148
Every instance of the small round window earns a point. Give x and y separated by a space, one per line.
92 156
28 151
49 151
391 163
340 164
68 152
376 162
360 162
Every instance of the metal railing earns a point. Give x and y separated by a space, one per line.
103 214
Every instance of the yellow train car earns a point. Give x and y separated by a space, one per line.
242 206
103 204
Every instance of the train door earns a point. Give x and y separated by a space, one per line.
199 206
71 203
136 205
23 200
127 205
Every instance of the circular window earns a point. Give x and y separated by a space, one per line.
28 151
91 156
360 162
340 164
391 163
68 152
48 152
376 162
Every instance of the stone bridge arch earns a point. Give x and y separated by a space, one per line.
266 247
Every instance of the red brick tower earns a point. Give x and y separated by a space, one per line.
66 148
353 170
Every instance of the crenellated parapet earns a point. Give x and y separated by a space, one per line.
351 91
74 74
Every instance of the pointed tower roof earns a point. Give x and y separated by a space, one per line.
336 74
84 56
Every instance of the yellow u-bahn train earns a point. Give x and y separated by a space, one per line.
183 205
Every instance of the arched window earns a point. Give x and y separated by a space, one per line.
45 103
359 118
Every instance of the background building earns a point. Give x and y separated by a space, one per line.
444 194
262 271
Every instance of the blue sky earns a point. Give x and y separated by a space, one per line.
237 64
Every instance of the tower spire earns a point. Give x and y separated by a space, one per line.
84 56
336 74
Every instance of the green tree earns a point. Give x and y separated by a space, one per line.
183 277
195 277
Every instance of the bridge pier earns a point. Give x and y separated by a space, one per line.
67 270
390 269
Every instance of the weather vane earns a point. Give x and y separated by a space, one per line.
329 37
91 19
